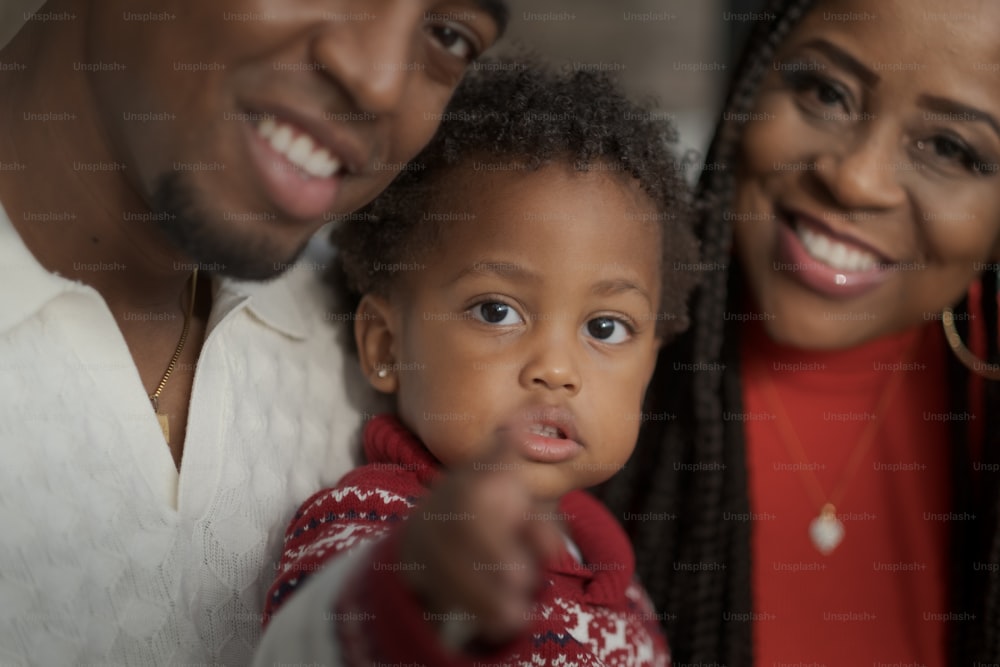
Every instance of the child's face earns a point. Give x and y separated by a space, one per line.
530 322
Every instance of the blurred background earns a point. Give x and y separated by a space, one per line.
679 53
676 52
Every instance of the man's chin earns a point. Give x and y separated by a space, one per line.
209 240
246 268
254 259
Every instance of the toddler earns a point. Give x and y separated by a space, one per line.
515 284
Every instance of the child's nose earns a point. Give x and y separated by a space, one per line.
552 367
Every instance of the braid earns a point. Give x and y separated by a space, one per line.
695 564
987 647
962 542
689 469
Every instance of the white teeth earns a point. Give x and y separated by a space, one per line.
301 149
547 431
298 148
838 256
267 127
320 164
281 140
835 254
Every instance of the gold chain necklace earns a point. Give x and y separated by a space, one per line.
154 398
826 531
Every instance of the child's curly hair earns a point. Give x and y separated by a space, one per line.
527 115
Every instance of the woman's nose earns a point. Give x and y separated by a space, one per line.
864 173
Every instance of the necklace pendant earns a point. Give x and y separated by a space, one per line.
826 531
164 419
164 425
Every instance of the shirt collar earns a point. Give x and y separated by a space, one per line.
275 303
26 287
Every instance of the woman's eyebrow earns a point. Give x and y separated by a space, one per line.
959 112
845 60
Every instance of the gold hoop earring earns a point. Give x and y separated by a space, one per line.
964 354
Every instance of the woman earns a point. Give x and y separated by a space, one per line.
817 480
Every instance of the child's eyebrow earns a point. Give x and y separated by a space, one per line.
619 286
506 269
514 271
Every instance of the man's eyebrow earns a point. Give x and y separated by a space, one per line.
499 10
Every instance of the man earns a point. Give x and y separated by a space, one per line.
162 414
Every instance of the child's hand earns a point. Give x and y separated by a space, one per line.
480 548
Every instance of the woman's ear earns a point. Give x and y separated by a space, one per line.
375 335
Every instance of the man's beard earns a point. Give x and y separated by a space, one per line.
209 245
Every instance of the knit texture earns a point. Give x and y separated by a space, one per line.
108 556
589 613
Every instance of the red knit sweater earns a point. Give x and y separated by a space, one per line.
589 613
880 598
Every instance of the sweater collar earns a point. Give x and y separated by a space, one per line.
608 560
388 441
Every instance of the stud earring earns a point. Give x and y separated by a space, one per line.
382 372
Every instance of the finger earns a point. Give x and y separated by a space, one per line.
505 568
474 560
504 457
543 532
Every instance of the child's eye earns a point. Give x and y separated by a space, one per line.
496 312
608 330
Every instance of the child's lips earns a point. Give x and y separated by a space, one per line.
545 449
547 434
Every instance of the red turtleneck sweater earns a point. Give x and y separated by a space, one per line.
880 598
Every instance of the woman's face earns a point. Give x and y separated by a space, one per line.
868 187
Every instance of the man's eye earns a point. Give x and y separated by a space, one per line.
608 330
495 312
455 42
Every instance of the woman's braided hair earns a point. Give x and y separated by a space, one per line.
689 470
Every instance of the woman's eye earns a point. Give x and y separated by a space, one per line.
828 94
947 148
818 90
455 42
608 330
495 312
954 150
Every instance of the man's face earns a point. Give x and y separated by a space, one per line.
249 123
